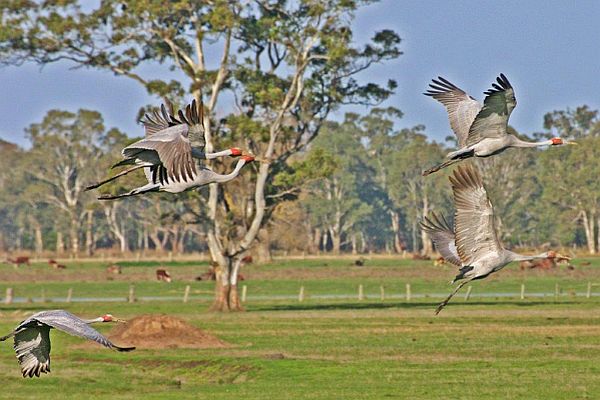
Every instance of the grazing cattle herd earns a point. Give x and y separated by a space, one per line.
163 275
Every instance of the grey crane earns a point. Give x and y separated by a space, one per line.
172 153
473 245
481 130
32 337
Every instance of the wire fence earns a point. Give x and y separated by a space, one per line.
302 295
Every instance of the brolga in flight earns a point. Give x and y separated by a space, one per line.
32 337
171 154
473 245
481 130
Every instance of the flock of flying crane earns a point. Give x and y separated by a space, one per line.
171 156
482 131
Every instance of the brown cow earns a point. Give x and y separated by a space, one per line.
54 264
545 263
211 274
114 269
247 260
438 262
18 261
163 275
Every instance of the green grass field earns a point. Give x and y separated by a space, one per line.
484 348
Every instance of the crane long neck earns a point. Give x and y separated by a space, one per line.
199 153
521 257
211 156
233 174
516 142
93 321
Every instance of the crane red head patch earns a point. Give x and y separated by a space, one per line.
235 152
551 254
557 141
107 318
248 158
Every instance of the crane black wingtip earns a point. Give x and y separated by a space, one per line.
124 349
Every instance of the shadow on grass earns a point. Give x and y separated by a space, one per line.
403 305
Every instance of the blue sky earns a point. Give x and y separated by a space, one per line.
550 51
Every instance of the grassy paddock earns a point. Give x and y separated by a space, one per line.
328 348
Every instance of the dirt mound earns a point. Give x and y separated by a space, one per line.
162 331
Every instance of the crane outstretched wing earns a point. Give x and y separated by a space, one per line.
169 141
474 226
156 121
32 346
73 325
461 107
443 237
492 120
169 148
32 339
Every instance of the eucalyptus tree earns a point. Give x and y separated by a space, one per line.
11 159
383 142
569 176
412 194
64 157
515 192
337 201
286 64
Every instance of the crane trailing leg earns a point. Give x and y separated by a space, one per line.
112 178
13 333
143 189
440 166
455 157
447 299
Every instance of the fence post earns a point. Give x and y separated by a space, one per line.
408 294
468 294
522 291
301 294
131 298
9 296
244 292
589 290
69 295
186 294
361 295
556 291
382 290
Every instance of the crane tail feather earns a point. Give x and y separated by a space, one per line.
127 161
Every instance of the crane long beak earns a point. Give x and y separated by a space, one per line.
573 143
560 257
121 321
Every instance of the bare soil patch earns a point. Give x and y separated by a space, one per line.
162 331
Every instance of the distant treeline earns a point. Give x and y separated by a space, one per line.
357 189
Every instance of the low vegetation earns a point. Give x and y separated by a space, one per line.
325 348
